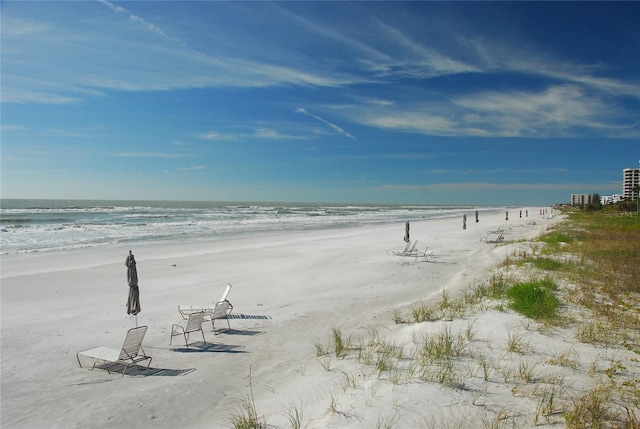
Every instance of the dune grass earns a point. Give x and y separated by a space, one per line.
534 299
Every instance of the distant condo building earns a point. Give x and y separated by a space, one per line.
610 199
631 180
581 199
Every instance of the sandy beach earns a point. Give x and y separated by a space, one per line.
294 289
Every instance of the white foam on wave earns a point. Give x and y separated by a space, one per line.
80 224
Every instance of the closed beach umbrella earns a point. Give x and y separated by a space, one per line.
406 232
477 216
133 304
464 221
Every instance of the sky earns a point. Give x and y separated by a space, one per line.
514 103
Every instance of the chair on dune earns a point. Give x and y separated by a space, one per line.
130 354
194 324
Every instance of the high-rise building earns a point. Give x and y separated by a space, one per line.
631 180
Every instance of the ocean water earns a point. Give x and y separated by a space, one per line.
28 226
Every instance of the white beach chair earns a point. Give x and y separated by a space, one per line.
222 310
194 324
186 310
216 311
409 250
500 230
424 255
499 237
406 248
130 354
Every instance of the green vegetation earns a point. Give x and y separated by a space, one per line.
534 299
543 263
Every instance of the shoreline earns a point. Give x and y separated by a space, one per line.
306 283
49 226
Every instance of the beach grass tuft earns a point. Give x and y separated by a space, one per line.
534 299
543 263
295 415
245 416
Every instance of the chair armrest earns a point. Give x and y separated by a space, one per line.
182 313
177 326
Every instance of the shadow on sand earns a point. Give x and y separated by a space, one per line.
142 371
200 346
238 332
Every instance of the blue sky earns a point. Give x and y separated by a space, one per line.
385 102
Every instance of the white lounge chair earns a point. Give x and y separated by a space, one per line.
186 310
424 255
406 248
409 250
130 354
498 233
194 324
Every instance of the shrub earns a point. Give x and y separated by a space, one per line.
534 299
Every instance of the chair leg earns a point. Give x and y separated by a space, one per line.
203 340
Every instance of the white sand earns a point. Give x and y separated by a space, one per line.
55 305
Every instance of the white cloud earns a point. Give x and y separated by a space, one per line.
324 121
52 62
9 127
129 52
148 155
261 133
560 111
214 135
132 17
194 168
271 134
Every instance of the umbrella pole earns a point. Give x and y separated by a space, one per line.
134 316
